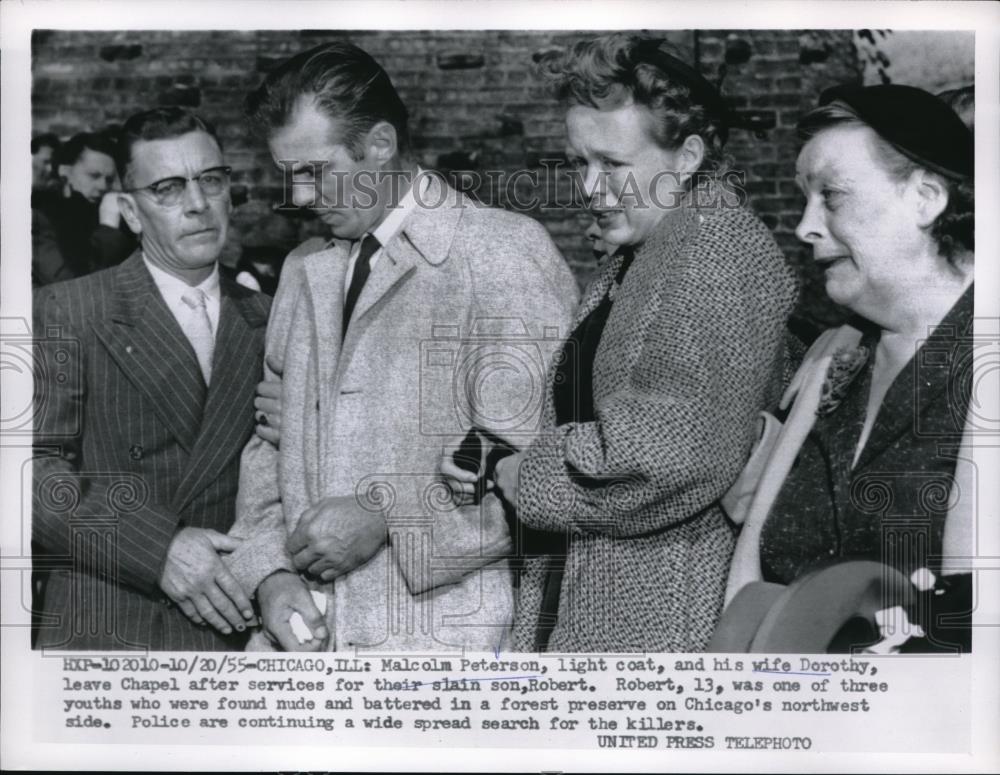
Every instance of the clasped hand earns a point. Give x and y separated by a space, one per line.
465 484
198 581
335 536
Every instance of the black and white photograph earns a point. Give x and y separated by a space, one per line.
565 382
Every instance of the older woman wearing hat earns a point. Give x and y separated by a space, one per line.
887 173
677 344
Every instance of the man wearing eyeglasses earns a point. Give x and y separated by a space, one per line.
145 382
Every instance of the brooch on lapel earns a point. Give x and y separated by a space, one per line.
846 364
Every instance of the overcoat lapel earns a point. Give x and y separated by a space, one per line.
229 405
145 341
326 271
398 260
425 235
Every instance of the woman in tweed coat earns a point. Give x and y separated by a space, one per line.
678 344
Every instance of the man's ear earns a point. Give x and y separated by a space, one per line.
690 156
931 196
63 170
381 143
130 212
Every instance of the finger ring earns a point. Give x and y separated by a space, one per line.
262 419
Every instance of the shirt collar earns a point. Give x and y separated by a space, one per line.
173 286
393 222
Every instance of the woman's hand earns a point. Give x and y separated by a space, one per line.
463 483
268 414
506 477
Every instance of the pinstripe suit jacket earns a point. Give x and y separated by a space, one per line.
129 447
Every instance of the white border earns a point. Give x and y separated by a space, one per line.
16 20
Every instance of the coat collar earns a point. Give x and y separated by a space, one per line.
425 237
666 239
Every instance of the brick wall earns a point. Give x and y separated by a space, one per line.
475 103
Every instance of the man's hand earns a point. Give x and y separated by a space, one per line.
268 405
335 536
108 213
281 595
199 582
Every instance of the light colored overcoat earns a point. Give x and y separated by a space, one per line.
455 326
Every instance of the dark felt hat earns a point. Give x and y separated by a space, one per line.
913 121
701 90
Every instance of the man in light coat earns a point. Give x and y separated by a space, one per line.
426 316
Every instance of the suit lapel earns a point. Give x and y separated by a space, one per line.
924 381
229 407
143 338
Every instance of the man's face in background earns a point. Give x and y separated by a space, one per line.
41 167
92 175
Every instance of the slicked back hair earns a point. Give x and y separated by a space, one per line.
347 86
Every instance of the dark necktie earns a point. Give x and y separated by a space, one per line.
362 268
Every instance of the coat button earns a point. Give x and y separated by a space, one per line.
135 452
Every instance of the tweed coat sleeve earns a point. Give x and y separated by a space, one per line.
675 431
142 540
260 518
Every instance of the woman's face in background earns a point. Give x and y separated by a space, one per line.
630 182
859 220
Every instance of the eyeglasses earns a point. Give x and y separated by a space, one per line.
169 191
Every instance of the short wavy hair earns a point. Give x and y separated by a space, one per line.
160 123
953 231
610 71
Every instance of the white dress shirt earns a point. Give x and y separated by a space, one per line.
386 230
173 288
